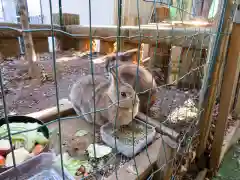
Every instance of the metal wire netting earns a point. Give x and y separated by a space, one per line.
182 120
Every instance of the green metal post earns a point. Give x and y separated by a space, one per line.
60 13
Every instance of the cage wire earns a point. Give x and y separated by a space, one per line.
175 117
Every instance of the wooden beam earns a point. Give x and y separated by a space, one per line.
230 71
150 33
209 100
160 128
49 114
15 30
68 19
230 139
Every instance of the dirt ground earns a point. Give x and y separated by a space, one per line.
25 96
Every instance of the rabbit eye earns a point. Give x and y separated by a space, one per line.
76 149
123 94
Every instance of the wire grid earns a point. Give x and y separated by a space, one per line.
186 135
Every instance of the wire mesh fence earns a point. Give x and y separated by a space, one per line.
176 109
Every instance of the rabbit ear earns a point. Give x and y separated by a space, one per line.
108 62
121 56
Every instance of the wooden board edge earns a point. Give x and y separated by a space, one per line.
142 162
51 113
227 142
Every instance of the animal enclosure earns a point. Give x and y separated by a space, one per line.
187 112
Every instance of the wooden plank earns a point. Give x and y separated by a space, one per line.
9 47
49 114
166 159
130 10
32 26
15 30
201 175
41 45
237 104
235 85
106 47
68 19
208 102
142 162
235 94
115 12
230 139
160 128
162 13
173 69
150 33
225 97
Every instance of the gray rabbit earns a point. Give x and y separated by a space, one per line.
127 72
106 101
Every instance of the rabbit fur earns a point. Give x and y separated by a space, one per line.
77 145
82 99
127 72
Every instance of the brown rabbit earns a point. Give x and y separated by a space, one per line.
106 105
76 147
127 72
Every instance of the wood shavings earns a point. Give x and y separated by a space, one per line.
185 112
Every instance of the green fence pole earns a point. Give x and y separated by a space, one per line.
60 13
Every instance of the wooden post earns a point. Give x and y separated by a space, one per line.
106 47
190 60
209 101
235 89
115 13
173 68
237 100
161 60
166 159
30 53
68 19
162 13
230 71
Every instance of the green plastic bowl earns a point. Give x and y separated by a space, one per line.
25 119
